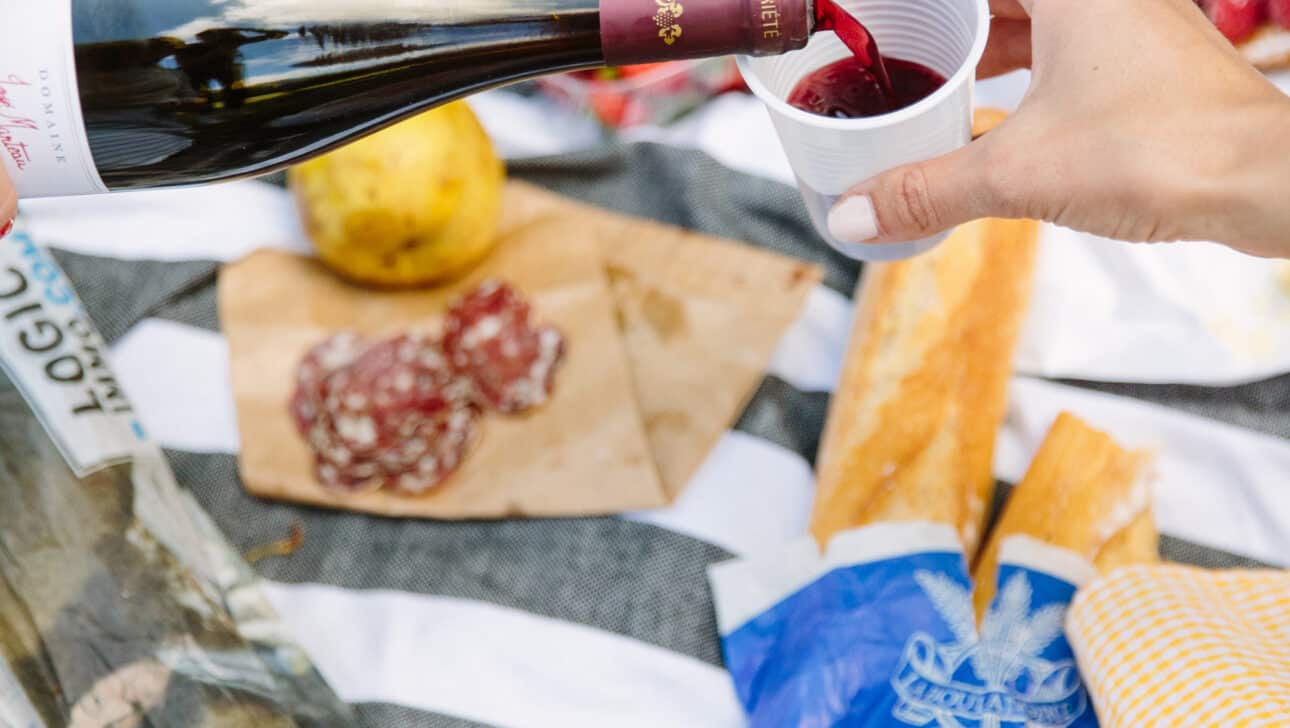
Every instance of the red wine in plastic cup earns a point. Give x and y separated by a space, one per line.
867 84
856 37
830 155
846 89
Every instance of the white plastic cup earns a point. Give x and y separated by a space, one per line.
829 155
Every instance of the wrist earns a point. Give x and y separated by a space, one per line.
1266 231
1247 205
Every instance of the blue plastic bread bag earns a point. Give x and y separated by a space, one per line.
880 631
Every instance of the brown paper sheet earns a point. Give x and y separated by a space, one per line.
583 453
697 321
701 317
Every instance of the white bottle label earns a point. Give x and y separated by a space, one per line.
43 144
58 361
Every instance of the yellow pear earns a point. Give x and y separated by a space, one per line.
414 204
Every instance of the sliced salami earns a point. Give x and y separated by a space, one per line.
448 440
318 364
489 338
395 414
357 477
402 413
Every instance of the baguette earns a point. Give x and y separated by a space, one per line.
985 119
1268 49
911 427
1082 492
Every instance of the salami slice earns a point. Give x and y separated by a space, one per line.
447 440
394 414
358 476
335 465
318 364
489 338
381 400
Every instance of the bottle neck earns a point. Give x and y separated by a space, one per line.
640 31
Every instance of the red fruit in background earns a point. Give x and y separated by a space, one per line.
1279 12
1236 19
609 106
732 84
639 69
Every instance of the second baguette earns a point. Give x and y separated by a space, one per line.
1083 493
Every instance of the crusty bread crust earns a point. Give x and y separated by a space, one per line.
911 427
984 120
1268 49
1082 492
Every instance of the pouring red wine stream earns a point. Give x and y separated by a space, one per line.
857 38
867 84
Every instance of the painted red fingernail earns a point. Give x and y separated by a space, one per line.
4 229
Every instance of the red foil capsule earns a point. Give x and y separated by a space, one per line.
641 31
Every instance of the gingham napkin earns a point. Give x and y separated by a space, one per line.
1178 646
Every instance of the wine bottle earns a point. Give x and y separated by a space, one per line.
99 95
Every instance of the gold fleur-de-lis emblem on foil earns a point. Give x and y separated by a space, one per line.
669 12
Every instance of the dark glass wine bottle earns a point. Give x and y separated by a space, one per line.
120 94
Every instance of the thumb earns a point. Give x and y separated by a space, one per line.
918 200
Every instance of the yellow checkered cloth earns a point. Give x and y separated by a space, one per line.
1169 645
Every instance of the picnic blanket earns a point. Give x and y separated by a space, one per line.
596 621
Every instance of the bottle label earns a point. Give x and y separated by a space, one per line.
58 361
638 31
43 144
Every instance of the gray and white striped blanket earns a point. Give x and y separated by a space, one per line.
597 621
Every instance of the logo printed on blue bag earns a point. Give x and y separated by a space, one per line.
992 679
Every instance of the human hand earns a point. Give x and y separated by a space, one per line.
1141 123
8 202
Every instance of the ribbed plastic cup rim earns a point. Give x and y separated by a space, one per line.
950 86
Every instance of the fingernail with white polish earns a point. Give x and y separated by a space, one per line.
853 220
